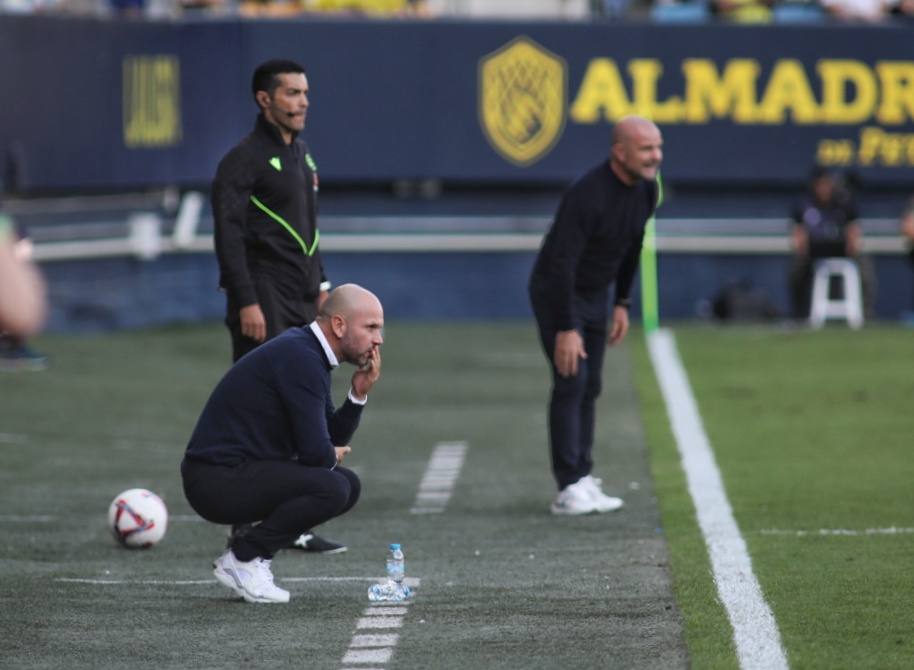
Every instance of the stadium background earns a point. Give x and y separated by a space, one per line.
423 195
111 132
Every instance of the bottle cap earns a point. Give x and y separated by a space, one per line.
394 546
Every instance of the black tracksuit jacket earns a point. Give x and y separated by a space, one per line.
594 241
265 209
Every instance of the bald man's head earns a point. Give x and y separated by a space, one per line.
628 126
347 299
637 149
352 319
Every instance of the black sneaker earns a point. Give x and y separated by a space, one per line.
317 545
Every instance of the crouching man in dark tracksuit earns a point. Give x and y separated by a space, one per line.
268 446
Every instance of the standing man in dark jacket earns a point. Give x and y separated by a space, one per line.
267 447
265 213
595 241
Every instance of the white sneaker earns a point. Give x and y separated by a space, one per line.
603 502
574 499
252 580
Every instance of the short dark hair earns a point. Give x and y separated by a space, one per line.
819 172
265 76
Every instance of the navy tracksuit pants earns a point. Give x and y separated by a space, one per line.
572 401
287 498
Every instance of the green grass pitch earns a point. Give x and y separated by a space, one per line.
503 584
811 431
813 434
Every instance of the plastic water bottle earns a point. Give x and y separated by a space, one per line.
391 589
396 564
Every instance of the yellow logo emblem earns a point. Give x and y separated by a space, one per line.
151 101
522 93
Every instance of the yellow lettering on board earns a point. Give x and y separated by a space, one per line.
836 75
852 92
645 73
897 80
788 89
711 95
151 101
601 93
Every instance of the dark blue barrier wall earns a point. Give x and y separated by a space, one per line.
100 103
123 293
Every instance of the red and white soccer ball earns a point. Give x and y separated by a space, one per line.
137 518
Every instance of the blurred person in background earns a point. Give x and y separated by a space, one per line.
825 224
611 9
22 297
374 8
907 231
264 200
22 291
743 11
128 8
857 11
15 353
370 7
593 243
903 9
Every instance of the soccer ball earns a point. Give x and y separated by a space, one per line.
137 518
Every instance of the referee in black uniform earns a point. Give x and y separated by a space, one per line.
265 213
594 242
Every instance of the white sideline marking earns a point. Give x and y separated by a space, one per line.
380 622
374 640
755 632
372 647
387 611
368 655
47 518
326 579
190 582
442 472
838 532
26 518
118 582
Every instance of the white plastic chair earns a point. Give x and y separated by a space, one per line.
849 307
